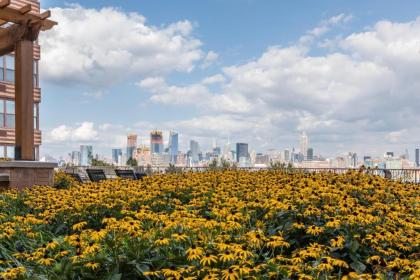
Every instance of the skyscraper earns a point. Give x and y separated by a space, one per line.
304 142
310 154
194 151
241 151
418 157
173 146
86 155
286 155
116 155
156 142
131 145
75 158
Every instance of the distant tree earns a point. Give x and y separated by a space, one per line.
277 165
173 169
213 165
98 162
132 162
221 165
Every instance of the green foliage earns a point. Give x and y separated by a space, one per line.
63 181
132 162
172 169
221 165
98 162
277 165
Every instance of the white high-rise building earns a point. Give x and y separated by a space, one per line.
227 151
304 142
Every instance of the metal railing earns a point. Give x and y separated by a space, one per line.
405 175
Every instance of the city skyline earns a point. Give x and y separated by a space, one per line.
160 153
331 70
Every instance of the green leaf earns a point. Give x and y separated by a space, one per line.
358 266
116 277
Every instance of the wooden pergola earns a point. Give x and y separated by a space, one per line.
19 29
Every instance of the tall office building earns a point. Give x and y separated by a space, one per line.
116 155
75 158
131 145
304 142
310 154
156 142
173 146
241 151
86 155
194 151
286 155
418 157
7 94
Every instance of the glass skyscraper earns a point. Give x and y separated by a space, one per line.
116 154
173 146
86 155
156 142
194 150
241 151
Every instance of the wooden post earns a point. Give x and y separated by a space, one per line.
24 101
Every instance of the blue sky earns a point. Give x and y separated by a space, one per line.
256 94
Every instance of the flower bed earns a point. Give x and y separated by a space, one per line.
214 225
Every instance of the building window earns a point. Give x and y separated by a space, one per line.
7 113
36 77
10 114
10 152
1 68
36 116
10 68
2 152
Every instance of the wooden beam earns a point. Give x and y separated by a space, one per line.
8 38
24 101
25 9
4 3
45 15
12 15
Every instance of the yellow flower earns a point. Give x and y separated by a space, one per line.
79 226
162 242
337 242
227 256
92 265
208 259
229 274
314 230
194 253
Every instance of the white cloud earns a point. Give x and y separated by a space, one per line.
105 46
323 28
210 59
365 91
215 79
361 96
81 133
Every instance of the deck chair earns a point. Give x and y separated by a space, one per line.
126 174
96 175
76 177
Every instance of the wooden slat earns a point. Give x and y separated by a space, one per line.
7 136
25 9
9 93
13 15
4 3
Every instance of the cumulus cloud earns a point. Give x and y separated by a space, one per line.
360 95
81 133
365 91
104 46
210 58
